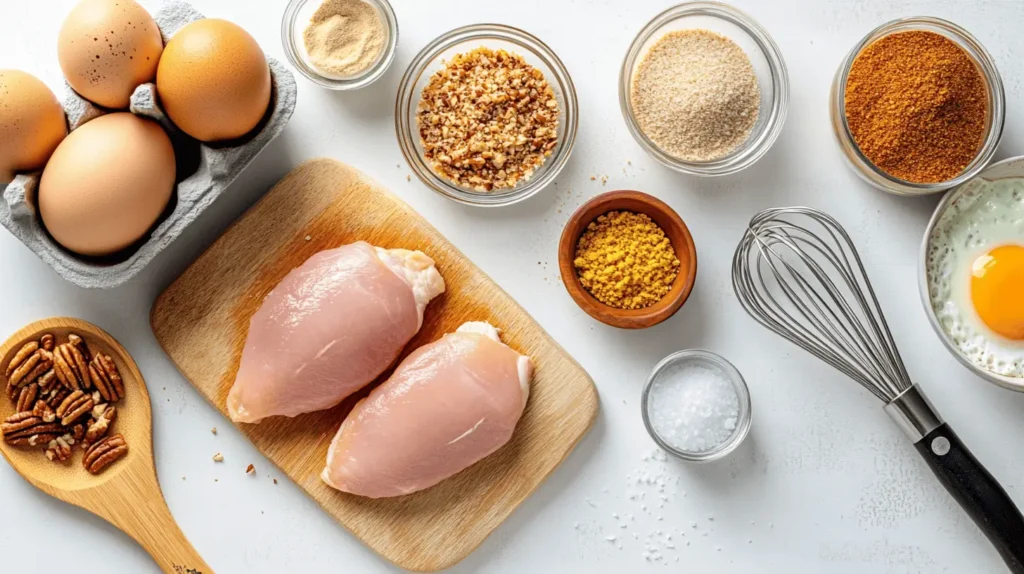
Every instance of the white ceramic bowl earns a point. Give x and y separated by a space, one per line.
1013 167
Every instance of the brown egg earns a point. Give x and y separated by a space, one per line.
107 48
213 80
32 123
107 184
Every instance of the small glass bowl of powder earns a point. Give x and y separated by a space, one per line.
704 89
340 44
696 406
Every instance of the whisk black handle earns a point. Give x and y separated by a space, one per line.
978 493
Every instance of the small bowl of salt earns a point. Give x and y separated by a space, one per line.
696 406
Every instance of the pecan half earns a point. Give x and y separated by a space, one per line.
26 429
99 427
20 375
107 378
27 397
47 341
20 357
74 407
71 367
105 453
59 449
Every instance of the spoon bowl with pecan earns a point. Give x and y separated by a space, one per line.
77 424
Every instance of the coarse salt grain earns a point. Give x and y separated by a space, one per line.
693 407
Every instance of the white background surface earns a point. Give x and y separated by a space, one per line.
824 484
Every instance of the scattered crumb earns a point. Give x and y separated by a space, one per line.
408 178
218 457
275 481
214 430
216 480
250 470
604 179
183 478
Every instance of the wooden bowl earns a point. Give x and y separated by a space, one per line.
670 223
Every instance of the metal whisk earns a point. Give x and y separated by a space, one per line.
797 272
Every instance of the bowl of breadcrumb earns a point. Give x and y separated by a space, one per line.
704 89
486 115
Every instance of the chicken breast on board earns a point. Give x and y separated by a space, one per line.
330 327
448 405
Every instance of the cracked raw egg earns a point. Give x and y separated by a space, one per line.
975 270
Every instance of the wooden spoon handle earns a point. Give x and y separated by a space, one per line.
153 527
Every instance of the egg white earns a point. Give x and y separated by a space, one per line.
986 215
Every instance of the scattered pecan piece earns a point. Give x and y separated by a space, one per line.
48 379
47 342
20 357
74 407
71 366
59 449
43 411
105 453
78 431
99 426
250 469
57 396
107 378
26 429
27 397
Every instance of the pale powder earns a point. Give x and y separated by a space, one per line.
344 37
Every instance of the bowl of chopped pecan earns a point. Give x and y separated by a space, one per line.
486 115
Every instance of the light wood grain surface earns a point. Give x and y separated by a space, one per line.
127 493
202 319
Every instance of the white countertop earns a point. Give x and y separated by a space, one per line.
824 484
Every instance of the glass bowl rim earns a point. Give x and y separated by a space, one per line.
746 413
993 80
405 102
370 75
757 145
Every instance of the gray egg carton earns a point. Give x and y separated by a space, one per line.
217 167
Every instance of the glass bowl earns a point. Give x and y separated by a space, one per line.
772 78
465 39
297 15
712 361
861 165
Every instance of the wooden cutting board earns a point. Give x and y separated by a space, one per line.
202 319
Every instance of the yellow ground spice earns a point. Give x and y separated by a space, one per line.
917 106
625 260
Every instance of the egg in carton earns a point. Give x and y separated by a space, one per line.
205 172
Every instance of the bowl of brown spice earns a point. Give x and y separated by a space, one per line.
918 106
627 259
486 115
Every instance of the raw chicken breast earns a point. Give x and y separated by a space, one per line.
447 405
331 326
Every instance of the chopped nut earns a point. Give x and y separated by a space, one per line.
218 457
43 411
47 381
250 470
99 426
74 407
47 342
477 114
104 374
26 429
59 449
106 452
57 396
27 397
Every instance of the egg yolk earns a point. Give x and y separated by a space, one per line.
997 290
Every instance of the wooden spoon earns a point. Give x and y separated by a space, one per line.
127 494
